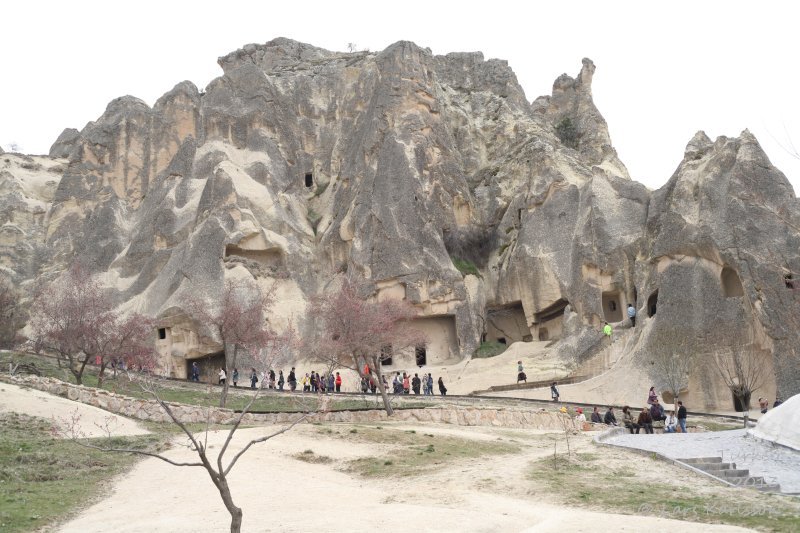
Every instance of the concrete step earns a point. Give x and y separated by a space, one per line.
773 487
715 467
695 460
732 473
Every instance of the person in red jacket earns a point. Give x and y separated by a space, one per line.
338 382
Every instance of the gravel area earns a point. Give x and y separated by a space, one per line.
776 464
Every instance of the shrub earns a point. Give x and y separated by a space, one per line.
466 267
489 349
472 244
568 133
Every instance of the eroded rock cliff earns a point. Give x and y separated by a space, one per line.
410 170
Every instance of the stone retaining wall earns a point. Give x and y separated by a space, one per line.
151 410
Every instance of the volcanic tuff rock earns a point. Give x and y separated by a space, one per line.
299 165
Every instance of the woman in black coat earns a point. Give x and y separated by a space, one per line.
442 388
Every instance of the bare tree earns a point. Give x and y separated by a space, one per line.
357 333
671 363
218 467
744 370
74 318
9 313
239 320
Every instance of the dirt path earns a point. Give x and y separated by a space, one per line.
61 410
281 493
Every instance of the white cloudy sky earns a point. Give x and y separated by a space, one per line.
664 70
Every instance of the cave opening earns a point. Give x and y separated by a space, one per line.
652 303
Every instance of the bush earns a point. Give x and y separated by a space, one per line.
489 349
466 267
568 133
471 244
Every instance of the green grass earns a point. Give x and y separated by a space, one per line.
586 480
415 454
489 349
43 478
466 267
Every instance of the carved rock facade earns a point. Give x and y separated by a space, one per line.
299 165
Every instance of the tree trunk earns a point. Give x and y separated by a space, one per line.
227 499
230 362
101 374
385 397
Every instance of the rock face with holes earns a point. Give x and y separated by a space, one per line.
433 179
722 234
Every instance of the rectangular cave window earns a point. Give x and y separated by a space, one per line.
421 355
386 355
162 333
309 179
501 340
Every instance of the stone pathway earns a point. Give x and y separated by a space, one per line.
775 464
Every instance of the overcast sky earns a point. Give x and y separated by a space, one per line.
663 72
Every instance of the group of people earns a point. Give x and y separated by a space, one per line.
316 383
651 413
763 404
402 383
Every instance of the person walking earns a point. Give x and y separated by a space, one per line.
222 375
235 377
338 383
195 372
607 330
554 391
442 388
763 404
406 383
681 416
253 378
521 373
415 383
632 315
281 381
292 380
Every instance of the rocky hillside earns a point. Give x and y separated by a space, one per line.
434 179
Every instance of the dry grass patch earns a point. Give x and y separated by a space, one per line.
408 452
309 456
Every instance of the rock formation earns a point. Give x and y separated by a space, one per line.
299 165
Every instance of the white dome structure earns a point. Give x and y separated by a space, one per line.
781 425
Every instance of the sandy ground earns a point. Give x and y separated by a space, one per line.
61 410
280 493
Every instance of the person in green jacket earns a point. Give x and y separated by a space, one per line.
607 330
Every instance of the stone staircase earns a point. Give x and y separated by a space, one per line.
605 358
727 472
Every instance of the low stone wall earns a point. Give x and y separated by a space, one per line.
151 410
